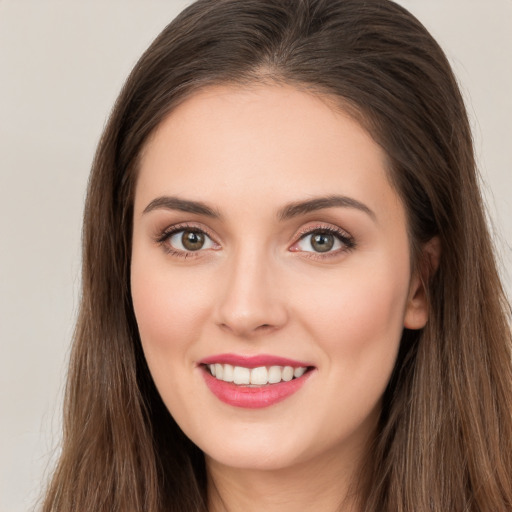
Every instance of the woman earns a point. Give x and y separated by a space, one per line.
290 298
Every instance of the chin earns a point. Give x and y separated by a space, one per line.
256 458
265 447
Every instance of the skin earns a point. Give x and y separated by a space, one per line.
259 287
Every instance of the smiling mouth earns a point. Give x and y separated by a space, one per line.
254 386
252 377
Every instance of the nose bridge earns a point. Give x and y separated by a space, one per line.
251 301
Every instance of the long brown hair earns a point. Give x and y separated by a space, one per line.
445 435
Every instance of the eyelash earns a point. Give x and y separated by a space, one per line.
172 230
342 236
347 241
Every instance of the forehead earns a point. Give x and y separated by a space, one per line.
263 142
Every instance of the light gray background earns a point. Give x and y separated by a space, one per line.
62 64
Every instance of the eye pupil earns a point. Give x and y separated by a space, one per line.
192 240
322 242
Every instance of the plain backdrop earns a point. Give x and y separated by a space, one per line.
62 64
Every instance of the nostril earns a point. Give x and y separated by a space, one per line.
264 327
244 330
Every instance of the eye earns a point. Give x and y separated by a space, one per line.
185 240
323 241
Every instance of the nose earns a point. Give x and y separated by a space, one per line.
251 301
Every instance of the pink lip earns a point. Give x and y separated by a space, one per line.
252 361
252 397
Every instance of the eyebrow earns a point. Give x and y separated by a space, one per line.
288 212
182 205
319 203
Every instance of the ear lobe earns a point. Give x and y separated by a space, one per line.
416 312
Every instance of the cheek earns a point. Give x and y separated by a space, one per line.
168 307
358 321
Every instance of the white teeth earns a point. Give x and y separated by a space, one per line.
241 375
287 373
256 376
228 373
274 374
259 376
299 372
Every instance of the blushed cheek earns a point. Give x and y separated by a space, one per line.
360 322
167 310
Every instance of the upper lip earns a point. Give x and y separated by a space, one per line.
253 361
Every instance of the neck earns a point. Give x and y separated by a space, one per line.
313 485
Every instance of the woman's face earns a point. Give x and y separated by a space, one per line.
269 245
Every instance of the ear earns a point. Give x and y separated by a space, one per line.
416 312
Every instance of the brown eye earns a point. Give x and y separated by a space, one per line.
322 242
192 240
189 240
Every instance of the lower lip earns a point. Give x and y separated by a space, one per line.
253 397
